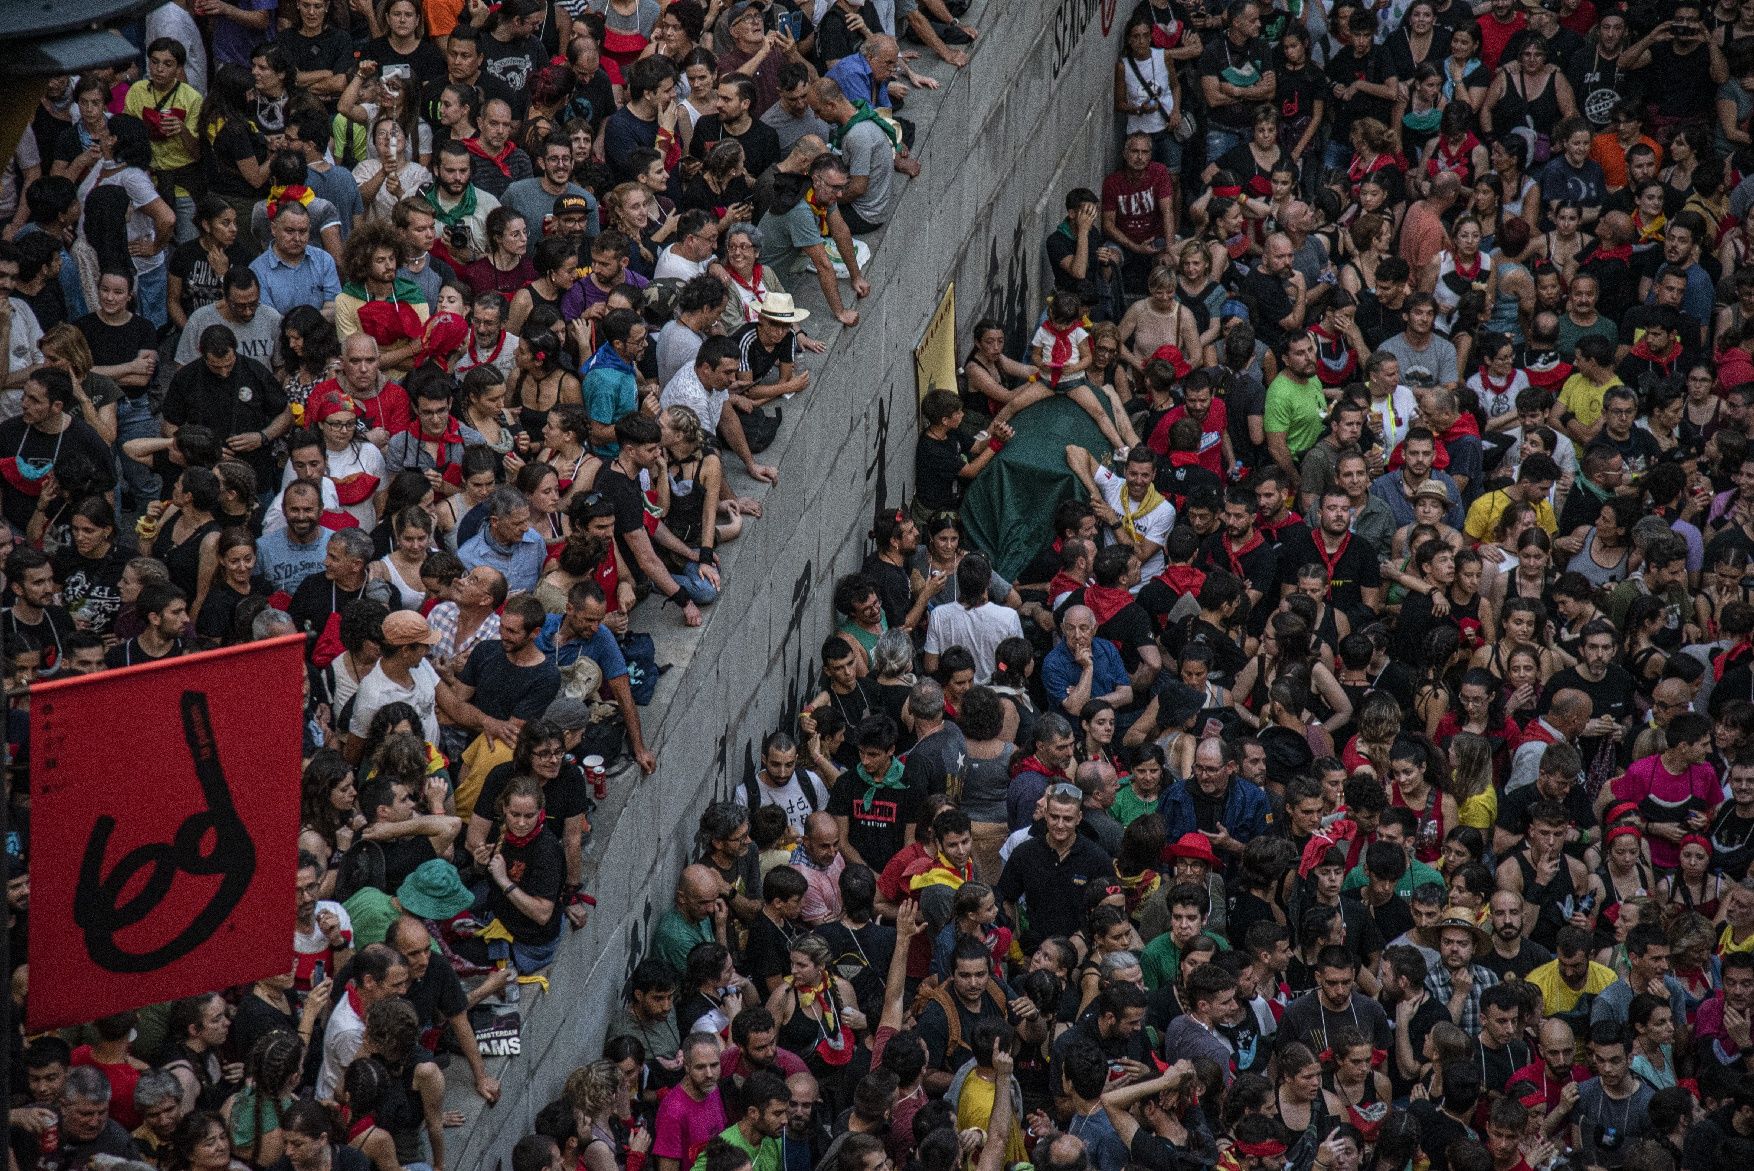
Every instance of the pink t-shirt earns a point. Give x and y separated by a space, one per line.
686 1126
1666 798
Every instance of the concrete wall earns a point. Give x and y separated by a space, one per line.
1001 143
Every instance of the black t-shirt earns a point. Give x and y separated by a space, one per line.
255 1019
425 63
221 604
1437 1131
766 954
201 285
1297 91
937 465
539 869
893 588
630 510
341 1158
91 587
1376 321
1513 808
861 958
316 598
877 829
235 139
1346 68
437 996
331 50
247 400
563 798
593 100
1355 570
1612 696
117 345
1062 245
504 690
761 143
47 637
490 87
1239 66
1272 304
132 654
20 440
756 359
1531 956
515 65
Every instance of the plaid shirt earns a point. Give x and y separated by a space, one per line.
1441 987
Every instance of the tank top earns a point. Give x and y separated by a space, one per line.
686 502
1517 108
183 560
411 596
1597 575
1506 315
1431 828
1554 897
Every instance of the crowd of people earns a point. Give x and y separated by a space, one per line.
1360 775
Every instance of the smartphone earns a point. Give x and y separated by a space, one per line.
318 971
790 23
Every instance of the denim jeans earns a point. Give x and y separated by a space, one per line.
135 420
153 291
701 591
185 209
1220 142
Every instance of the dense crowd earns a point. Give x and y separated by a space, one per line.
1358 773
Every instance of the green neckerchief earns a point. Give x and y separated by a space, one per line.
891 780
1598 493
865 114
464 209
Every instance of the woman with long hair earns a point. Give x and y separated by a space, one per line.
329 813
1288 642
235 580
481 474
151 224
355 466
1414 763
459 114
271 1076
198 268
203 1143
309 353
184 533
1298 1101
566 448
481 404
392 172
506 266
412 529
724 188
540 484
540 379
694 485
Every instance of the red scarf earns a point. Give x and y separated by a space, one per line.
474 147
1273 530
1062 584
1183 579
512 839
1329 561
1664 360
1622 253
1106 601
1063 350
1470 273
1033 764
1236 555
1548 377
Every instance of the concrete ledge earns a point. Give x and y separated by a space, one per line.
1001 142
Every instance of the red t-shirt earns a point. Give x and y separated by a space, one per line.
122 1078
1495 36
1136 201
1212 428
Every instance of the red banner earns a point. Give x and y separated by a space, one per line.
164 827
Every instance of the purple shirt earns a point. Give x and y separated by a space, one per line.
585 293
232 42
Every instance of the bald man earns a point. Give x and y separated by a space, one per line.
1082 667
819 859
1564 722
698 916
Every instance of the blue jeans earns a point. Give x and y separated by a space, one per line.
1220 142
153 291
136 420
185 209
526 957
698 589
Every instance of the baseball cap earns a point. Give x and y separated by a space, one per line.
573 715
407 627
572 205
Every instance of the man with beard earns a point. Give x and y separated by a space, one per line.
1398 488
1354 574
1510 954
459 207
1503 1050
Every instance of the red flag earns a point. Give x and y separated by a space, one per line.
164 825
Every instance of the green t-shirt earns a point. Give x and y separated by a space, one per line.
674 937
244 1128
765 1157
1161 960
1299 409
1418 874
1129 806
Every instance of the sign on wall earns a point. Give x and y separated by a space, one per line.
935 356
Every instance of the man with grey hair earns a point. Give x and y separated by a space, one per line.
158 1100
940 753
1096 780
382 404
342 582
86 1126
507 542
1120 967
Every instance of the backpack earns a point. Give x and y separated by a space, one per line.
933 989
753 792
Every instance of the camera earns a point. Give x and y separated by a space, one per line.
457 235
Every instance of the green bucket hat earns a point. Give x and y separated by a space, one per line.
434 891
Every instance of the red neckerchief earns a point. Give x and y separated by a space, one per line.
1333 559
1642 349
491 359
474 147
1033 764
749 286
1062 584
354 1002
1468 273
512 839
1548 377
1623 252
1487 384
360 1125
1730 657
1274 529
1063 348
1183 579
1335 360
1236 555
1106 601
1460 160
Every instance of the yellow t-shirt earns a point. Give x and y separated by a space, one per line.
1483 516
168 154
975 1108
1583 398
1558 997
1480 810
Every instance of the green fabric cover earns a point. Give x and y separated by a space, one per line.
1008 512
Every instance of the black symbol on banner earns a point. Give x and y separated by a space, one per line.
229 853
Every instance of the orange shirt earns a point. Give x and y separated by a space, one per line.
1422 237
442 16
1605 148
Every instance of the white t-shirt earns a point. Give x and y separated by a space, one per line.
359 458
1043 342
791 798
1154 526
1394 415
378 689
979 631
175 21
141 193
672 265
22 352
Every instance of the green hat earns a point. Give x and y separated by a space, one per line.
434 891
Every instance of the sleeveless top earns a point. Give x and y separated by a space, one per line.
1516 108
1555 898
1153 72
184 559
411 596
1597 575
1429 844
1505 317
1452 285
1609 911
687 501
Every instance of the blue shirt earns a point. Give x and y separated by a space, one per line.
601 648
853 74
1059 672
610 392
521 563
285 562
313 281
1699 299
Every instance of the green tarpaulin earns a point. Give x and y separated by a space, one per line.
1008 511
